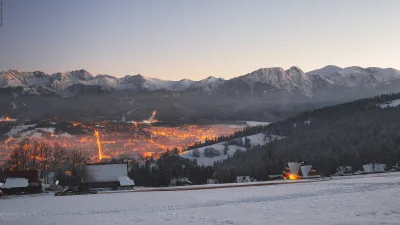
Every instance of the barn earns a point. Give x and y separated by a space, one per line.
106 175
22 181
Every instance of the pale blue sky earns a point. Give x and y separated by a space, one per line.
174 39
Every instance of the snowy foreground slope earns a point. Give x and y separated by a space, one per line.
361 200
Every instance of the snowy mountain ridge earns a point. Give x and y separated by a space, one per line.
293 80
357 76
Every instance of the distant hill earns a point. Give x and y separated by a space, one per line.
362 131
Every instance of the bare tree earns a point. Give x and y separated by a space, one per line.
29 155
76 160
19 158
34 155
42 156
45 153
58 157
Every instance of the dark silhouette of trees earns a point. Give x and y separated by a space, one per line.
350 134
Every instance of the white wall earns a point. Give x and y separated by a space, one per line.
104 172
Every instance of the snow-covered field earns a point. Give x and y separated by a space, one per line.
257 139
256 123
206 161
22 132
362 200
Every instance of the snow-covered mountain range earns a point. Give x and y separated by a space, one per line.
59 83
293 80
267 94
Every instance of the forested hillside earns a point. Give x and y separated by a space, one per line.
363 131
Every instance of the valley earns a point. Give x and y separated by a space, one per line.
199 112
117 139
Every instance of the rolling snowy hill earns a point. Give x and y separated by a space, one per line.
257 139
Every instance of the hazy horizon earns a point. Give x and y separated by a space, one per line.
195 39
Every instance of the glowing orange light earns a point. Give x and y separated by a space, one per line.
74 124
96 134
8 140
147 154
125 139
294 177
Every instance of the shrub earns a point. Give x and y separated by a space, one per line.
211 152
195 153
226 148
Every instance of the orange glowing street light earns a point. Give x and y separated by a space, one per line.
97 135
294 177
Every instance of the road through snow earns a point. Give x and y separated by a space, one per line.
363 200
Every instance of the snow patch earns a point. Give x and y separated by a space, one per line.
256 123
393 103
23 131
19 128
206 161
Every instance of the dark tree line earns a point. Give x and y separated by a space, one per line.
347 134
238 134
257 162
159 173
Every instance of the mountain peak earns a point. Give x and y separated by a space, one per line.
105 75
332 67
295 72
83 71
212 79
12 71
295 68
185 80
293 80
325 71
